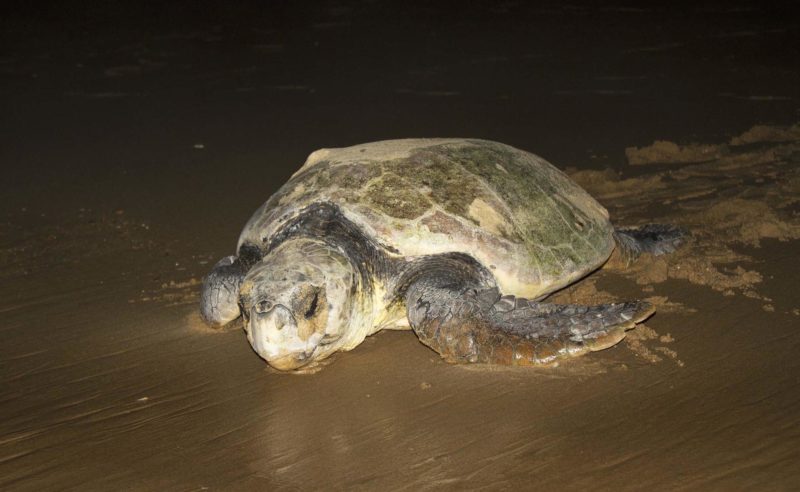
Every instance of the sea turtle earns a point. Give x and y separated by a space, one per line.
456 239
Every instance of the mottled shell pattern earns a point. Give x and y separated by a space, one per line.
514 212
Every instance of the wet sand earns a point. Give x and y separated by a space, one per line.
134 156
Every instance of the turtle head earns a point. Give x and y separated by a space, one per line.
296 303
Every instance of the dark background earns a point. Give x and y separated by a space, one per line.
100 98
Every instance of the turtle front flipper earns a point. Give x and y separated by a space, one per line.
219 300
475 325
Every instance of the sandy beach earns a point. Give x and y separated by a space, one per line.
136 143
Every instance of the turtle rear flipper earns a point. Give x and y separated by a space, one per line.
656 239
469 326
219 300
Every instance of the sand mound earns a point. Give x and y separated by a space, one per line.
710 201
665 152
768 133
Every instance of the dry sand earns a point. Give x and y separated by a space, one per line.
133 156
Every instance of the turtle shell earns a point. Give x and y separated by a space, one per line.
523 219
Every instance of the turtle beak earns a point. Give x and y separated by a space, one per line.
274 336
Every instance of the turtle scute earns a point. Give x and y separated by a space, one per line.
509 209
418 224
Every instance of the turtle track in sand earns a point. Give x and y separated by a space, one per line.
731 197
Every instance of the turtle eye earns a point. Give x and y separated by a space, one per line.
313 307
263 306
